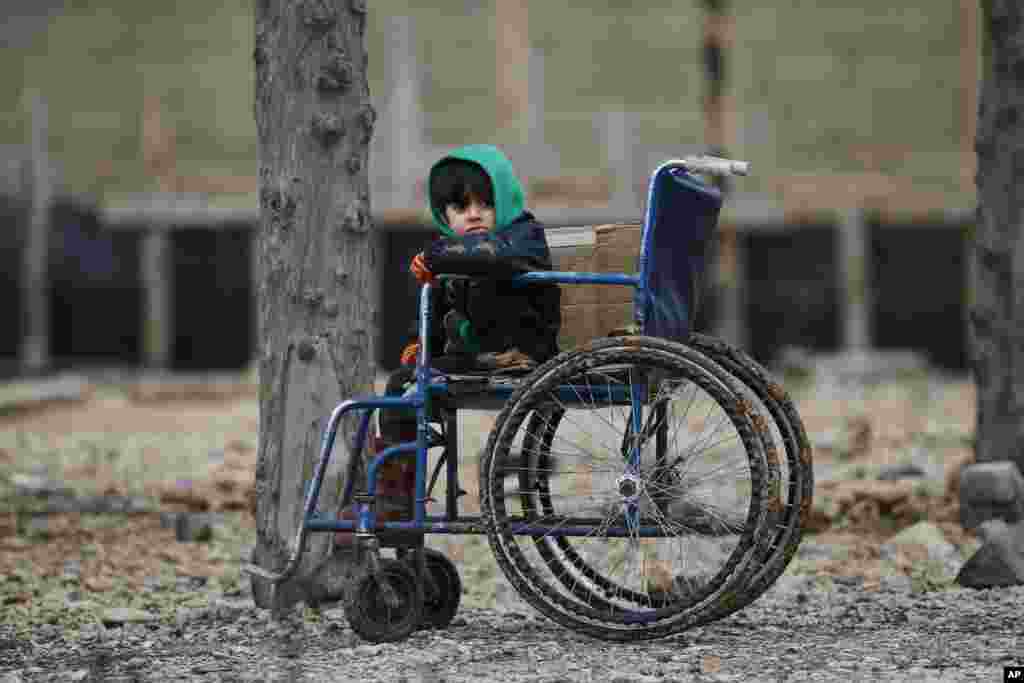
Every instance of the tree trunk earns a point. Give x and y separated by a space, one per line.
317 296
996 324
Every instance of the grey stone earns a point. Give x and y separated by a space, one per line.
189 583
63 502
72 570
991 490
110 504
37 485
829 439
151 584
229 610
999 561
793 583
191 527
38 526
118 616
902 471
136 504
896 583
993 482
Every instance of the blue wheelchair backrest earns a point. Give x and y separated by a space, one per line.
682 212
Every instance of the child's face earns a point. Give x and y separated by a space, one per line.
472 217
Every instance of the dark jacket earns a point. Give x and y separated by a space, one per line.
500 316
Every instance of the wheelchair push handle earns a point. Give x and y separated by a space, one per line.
716 166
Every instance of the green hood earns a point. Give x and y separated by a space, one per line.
509 203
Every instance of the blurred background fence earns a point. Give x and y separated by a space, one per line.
128 193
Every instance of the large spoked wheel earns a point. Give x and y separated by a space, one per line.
797 472
642 485
785 433
387 606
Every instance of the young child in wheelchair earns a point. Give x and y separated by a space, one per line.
480 323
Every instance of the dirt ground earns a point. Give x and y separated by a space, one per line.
180 446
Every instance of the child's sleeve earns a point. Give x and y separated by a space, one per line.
520 248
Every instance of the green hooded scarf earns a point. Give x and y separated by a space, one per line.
509 203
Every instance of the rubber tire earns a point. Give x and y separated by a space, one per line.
439 610
785 525
790 520
618 625
363 611
799 458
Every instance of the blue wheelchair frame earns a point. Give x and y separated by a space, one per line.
670 264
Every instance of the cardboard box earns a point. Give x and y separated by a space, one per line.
582 323
613 316
579 326
616 250
580 262
592 311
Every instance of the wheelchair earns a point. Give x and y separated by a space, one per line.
632 488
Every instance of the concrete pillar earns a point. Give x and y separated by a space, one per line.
35 283
157 298
854 280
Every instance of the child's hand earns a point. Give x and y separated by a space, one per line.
419 270
409 354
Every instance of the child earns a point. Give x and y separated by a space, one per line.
483 323
477 203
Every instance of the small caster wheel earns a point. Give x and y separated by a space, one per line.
386 606
442 590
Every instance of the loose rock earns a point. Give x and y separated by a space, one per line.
991 490
118 616
190 527
999 561
902 471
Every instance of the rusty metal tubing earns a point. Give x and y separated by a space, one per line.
326 445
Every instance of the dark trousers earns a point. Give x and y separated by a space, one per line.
398 425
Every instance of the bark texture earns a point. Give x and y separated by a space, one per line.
316 258
996 327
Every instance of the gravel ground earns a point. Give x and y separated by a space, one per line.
804 629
